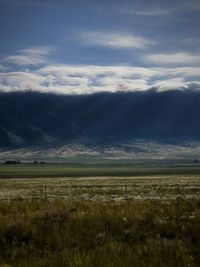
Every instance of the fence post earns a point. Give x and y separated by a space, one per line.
126 191
45 192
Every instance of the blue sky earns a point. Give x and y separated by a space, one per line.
80 47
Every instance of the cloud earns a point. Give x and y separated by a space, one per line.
25 60
37 51
150 12
184 72
177 84
157 10
114 84
184 58
92 71
33 56
114 40
20 81
83 79
168 84
86 79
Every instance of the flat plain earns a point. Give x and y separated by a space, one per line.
100 181
86 215
165 187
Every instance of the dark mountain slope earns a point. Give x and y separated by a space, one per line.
34 118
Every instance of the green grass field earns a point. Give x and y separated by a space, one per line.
95 168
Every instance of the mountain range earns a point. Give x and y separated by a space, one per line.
31 118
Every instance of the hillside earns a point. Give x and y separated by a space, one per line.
28 119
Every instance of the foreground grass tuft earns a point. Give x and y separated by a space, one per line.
62 233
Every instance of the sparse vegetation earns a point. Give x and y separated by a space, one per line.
164 187
63 233
140 221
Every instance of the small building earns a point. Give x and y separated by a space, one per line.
12 162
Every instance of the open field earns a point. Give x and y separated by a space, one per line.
102 180
163 187
91 168
142 215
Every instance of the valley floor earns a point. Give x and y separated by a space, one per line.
158 187
143 220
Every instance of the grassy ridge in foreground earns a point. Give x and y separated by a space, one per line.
61 233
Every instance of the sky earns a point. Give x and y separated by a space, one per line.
89 46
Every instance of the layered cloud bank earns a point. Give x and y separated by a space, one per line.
85 79
33 70
84 47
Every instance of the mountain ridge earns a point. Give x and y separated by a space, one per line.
28 119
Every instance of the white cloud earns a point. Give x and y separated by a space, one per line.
184 72
24 60
33 56
37 51
184 58
168 84
92 71
150 12
21 81
113 84
114 39
159 10
176 84
90 79
85 79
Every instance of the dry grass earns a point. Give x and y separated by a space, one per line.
103 188
67 233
